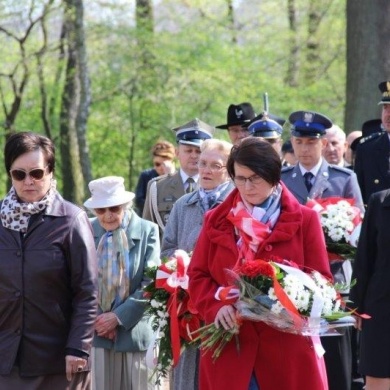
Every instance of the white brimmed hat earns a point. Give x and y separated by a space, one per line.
108 191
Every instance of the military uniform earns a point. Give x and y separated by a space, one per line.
164 191
331 180
372 161
372 164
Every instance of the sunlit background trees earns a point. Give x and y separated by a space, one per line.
106 79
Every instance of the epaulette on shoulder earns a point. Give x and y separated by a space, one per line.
347 171
287 169
370 137
158 178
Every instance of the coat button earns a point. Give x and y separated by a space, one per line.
18 331
268 248
18 253
17 294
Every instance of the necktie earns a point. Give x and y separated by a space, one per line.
308 177
190 185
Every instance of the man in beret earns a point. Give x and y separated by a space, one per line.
163 191
313 177
372 164
237 116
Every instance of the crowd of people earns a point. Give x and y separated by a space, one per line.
72 278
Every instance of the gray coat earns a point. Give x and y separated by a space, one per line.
185 222
331 180
181 232
135 333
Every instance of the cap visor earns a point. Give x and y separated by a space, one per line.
296 133
193 142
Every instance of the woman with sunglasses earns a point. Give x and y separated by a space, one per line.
126 245
260 219
48 275
163 155
183 227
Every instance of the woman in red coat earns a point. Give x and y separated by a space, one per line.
260 219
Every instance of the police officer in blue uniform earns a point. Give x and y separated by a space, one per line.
372 160
269 127
314 178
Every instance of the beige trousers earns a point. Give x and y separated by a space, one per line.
120 370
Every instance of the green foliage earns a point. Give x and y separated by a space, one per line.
195 65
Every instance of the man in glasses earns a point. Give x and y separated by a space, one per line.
237 116
163 191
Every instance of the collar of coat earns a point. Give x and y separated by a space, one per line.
290 219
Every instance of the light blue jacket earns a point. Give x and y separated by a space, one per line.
135 333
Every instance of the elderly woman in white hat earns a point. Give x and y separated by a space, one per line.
126 245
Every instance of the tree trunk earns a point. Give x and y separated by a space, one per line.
85 94
73 188
231 21
313 45
293 59
368 59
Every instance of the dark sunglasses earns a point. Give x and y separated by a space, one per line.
35 174
112 209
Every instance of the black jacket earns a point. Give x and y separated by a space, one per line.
48 293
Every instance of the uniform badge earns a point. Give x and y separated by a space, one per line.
308 117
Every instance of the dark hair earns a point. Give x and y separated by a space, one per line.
259 156
287 147
24 142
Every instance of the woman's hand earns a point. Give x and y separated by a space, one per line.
73 364
106 324
226 317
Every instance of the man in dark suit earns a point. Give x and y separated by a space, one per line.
372 161
163 191
314 178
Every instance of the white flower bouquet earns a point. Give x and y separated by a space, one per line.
341 223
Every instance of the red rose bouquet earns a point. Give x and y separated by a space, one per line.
282 296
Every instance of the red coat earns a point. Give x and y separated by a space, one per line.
281 361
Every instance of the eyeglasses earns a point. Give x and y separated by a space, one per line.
214 167
239 131
35 174
112 209
241 180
